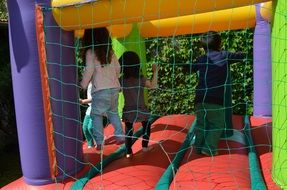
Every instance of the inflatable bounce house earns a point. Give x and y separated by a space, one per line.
45 81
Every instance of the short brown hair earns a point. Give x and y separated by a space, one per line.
211 41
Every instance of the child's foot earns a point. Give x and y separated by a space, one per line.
129 155
91 145
146 149
208 153
120 140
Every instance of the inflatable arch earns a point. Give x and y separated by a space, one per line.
50 161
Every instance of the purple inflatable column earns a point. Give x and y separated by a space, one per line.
262 67
28 98
63 82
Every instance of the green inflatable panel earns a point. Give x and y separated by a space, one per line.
279 93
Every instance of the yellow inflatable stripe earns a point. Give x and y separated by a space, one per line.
230 19
75 14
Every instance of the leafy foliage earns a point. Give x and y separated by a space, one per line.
175 92
8 133
242 73
3 10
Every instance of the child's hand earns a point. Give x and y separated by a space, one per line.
154 68
85 101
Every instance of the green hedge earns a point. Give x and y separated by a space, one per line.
8 132
175 92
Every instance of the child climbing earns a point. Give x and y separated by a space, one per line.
135 110
103 70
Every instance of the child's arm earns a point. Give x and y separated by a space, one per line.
85 101
153 82
236 57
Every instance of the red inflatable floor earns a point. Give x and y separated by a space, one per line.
261 130
228 170
142 171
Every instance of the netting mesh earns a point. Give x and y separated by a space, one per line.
173 161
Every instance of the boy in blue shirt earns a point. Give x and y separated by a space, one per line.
212 69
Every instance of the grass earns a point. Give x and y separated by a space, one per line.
10 168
